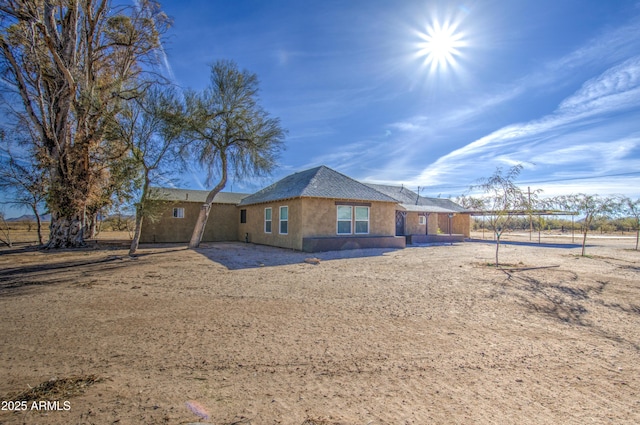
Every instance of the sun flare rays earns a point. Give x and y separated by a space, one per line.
440 46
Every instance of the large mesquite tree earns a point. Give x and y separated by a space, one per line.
69 65
228 131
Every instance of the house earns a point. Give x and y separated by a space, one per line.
427 220
177 212
318 209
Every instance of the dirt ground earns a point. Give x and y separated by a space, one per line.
236 333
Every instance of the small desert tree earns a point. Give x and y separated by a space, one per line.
228 130
631 208
5 231
591 207
502 198
23 180
150 128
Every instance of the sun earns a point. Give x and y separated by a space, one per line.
440 46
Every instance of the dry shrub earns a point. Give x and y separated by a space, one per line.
55 388
310 421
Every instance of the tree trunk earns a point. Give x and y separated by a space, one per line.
93 225
584 243
39 228
136 234
65 232
198 230
140 212
6 232
497 248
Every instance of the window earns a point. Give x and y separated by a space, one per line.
422 220
178 213
243 216
353 219
284 220
267 220
362 220
344 219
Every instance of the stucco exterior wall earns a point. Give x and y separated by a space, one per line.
221 226
320 217
460 224
413 226
256 222
309 218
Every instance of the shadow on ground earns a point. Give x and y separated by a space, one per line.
239 255
533 244
17 280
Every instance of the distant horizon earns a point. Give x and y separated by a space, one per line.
418 191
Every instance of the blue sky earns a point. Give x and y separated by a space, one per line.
360 86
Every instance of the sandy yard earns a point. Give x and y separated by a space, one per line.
244 334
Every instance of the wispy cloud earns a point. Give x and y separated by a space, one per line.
615 90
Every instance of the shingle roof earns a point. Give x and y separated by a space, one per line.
319 182
400 193
410 200
188 195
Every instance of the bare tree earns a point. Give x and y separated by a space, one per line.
5 231
23 180
229 131
150 126
69 64
502 199
631 208
591 207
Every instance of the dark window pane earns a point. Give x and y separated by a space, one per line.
344 227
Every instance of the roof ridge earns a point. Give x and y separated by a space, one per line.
317 182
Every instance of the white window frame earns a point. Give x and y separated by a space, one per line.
268 220
422 220
280 220
356 221
178 212
344 220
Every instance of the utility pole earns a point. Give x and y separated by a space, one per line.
530 218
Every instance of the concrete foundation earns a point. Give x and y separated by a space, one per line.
340 243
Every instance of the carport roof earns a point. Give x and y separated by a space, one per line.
411 201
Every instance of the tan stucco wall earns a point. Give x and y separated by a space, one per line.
255 224
322 216
460 224
413 226
221 226
309 217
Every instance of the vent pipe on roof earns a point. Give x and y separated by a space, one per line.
186 198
